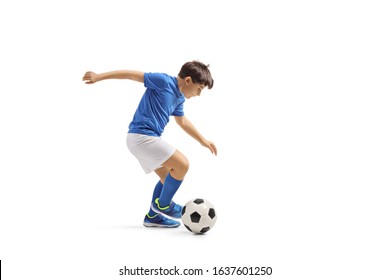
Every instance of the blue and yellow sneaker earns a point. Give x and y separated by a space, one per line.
159 220
173 210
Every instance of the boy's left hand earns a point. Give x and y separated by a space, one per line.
211 146
90 77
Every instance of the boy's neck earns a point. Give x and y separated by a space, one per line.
180 83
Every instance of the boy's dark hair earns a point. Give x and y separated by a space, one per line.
198 72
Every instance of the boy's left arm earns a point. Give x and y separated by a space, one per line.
188 127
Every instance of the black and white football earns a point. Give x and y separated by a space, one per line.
198 215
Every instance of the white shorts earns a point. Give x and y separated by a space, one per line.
151 151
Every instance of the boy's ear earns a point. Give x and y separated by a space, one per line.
188 80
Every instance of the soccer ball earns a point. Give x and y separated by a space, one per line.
198 215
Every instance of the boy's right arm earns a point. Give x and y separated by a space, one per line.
91 77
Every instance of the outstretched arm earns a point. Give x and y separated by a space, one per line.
188 127
91 77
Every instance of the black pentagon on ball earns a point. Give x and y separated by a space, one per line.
188 228
195 217
198 201
183 210
212 213
205 229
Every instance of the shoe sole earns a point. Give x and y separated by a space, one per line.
160 226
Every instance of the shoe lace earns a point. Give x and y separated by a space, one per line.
176 208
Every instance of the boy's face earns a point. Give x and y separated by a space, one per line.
191 89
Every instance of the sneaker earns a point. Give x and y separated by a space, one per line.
173 210
159 220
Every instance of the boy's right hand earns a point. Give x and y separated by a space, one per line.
90 77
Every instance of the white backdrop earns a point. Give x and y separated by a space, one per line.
299 113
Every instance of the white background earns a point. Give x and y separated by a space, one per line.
299 112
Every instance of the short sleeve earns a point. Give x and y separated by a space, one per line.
179 111
156 81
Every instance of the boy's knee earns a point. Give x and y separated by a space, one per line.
178 165
183 167
186 165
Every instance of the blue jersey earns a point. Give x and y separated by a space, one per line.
161 100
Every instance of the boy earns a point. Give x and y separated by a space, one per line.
164 97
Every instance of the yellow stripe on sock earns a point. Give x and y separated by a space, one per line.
151 217
158 205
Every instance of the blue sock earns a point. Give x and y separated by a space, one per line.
171 185
156 193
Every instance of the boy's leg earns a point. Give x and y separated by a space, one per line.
162 173
156 194
178 166
153 219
